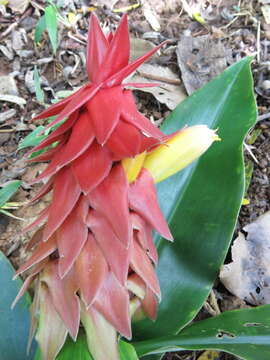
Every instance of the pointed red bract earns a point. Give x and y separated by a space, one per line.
28 281
91 168
143 233
36 238
132 116
58 107
125 141
66 193
45 189
76 103
80 139
141 264
117 55
71 236
101 114
42 251
57 134
64 298
91 270
143 200
96 49
116 254
42 216
148 143
49 154
118 77
110 198
149 304
113 302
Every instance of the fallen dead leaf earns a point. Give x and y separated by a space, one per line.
266 13
18 5
8 85
170 91
13 99
248 275
150 15
139 47
6 115
200 59
108 3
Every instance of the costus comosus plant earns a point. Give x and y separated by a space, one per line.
94 257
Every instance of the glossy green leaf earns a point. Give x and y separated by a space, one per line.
127 351
79 350
72 350
14 324
244 333
9 190
51 25
202 202
40 28
75 350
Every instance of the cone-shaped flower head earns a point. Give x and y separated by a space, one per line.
93 253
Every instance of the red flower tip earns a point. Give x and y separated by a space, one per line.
96 48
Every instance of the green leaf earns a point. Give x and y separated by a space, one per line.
79 350
72 350
33 138
202 202
38 90
244 333
51 25
127 351
7 213
8 191
14 324
75 350
40 28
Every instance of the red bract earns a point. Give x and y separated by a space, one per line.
95 252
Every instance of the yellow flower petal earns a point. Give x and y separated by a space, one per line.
133 166
179 151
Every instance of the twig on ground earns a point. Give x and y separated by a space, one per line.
263 117
248 148
259 42
7 130
159 78
9 30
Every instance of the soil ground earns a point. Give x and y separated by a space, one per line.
238 25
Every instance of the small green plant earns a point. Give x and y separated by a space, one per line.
48 22
5 194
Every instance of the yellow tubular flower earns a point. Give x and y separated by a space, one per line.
133 166
179 151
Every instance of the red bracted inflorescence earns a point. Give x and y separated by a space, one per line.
94 244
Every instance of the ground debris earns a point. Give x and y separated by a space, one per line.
200 59
248 275
169 90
